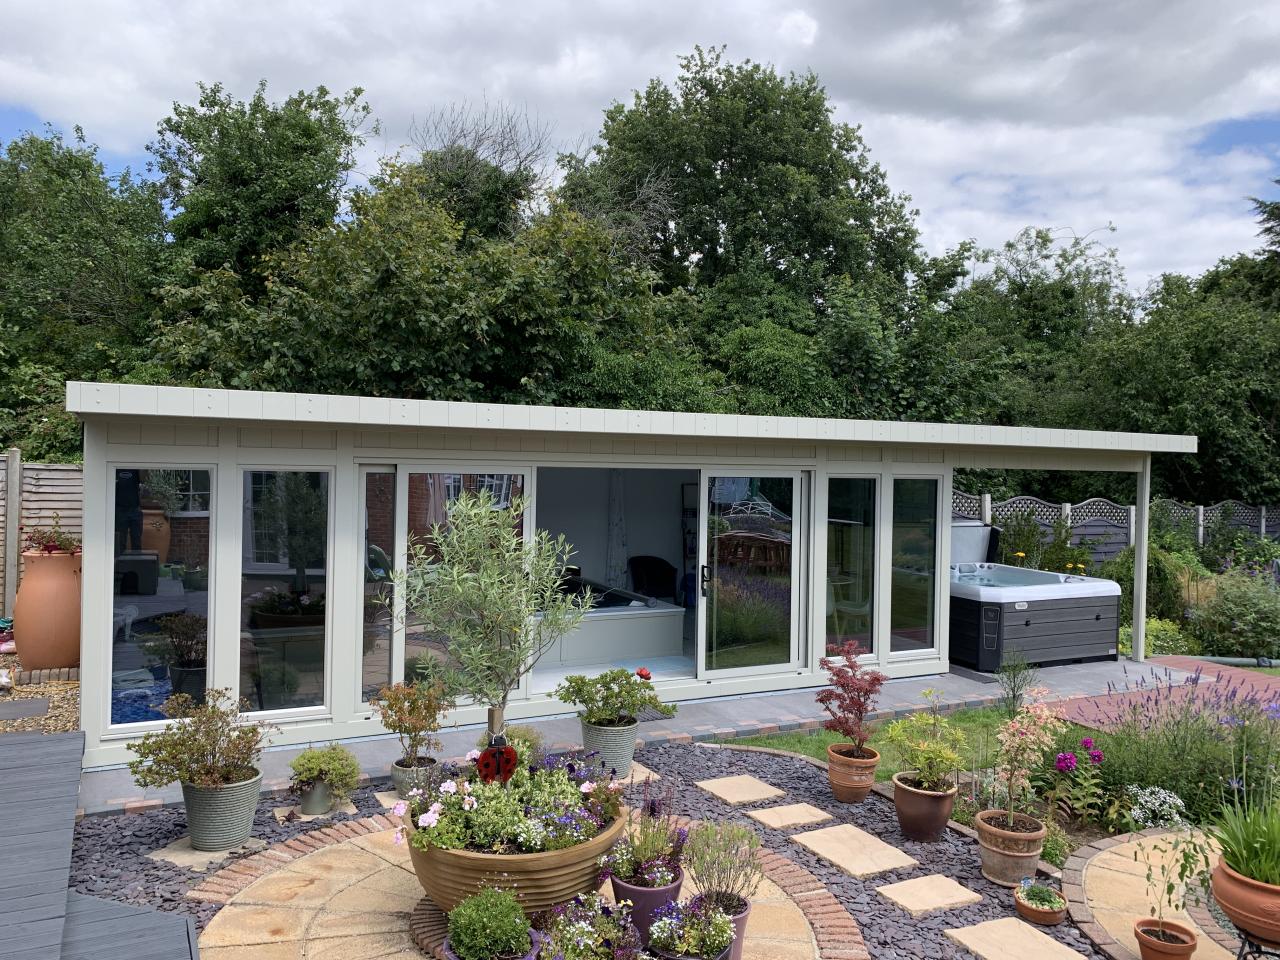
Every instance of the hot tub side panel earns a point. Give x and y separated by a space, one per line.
983 635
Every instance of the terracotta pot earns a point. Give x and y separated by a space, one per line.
1252 906
539 880
645 901
1152 949
851 777
1008 855
1041 915
156 533
46 613
922 814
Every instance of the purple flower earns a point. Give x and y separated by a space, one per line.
1095 757
1086 743
1066 762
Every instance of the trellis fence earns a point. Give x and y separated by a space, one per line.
32 495
1110 526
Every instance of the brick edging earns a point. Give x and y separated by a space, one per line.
47 675
1078 904
221 886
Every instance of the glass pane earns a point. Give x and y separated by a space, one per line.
378 567
284 582
429 498
915 558
851 546
749 532
160 593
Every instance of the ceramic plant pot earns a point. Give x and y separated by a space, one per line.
189 680
615 747
46 612
663 955
157 533
315 799
1008 855
406 778
851 777
535 940
1153 948
1252 906
739 932
539 880
221 818
645 901
922 814
1041 915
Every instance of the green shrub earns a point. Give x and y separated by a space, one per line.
528 741
1164 583
1242 619
488 925
1057 845
208 746
611 699
1164 638
1250 840
929 746
334 765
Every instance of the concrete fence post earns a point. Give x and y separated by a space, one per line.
1133 521
12 521
1200 525
1262 522
986 508
1066 513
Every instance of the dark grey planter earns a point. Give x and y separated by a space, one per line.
615 747
188 680
221 818
315 799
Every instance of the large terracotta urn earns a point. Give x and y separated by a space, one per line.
156 533
46 613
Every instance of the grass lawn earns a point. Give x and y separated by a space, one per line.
979 726
1270 671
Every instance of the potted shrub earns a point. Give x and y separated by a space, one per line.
851 765
1009 841
644 867
1246 880
589 928
46 611
1039 903
412 712
611 702
723 861
695 928
213 755
924 793
182 651
1172 864
324 777
542 832
490 925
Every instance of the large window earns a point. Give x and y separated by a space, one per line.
160 590
284 585
851 548
915 565
377 568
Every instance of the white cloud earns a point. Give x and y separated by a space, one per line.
992 114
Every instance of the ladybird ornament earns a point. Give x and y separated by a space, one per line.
497 761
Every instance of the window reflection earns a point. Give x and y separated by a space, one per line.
379 518
915 559
851 544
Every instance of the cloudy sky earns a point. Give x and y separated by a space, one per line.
1158 116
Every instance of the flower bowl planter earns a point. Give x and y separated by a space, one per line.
1251 905
46 612
851 777
406 778
615 747
1041 915
535 941
663 955
1151 948
922 814
539 880
315 799
645 901
1008 855
221 818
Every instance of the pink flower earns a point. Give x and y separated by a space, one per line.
1087 743
400 808
399 837
1066 762
587 786
431 817
448 787
472 756
1095 757
469 803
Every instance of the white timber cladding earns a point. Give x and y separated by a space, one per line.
228 432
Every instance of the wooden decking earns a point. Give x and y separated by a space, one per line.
40 919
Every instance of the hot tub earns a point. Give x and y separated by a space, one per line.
1045 617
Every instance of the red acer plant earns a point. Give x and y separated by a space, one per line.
851 695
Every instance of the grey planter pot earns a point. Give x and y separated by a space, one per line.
221 818
615 746
407 778
315 799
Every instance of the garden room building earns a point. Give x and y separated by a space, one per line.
724 553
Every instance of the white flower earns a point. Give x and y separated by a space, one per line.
448 787
400 808
472 756
587 786
469 803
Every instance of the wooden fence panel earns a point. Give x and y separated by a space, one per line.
49 492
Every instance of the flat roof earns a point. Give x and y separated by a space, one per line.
256 406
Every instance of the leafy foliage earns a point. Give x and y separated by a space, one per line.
691 928
851 696
334 765
489 925
1242 619
205 745
930 746
613 698
412 712
1249 837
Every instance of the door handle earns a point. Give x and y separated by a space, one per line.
705 578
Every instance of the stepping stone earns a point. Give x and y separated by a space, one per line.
25 707
790 815
921 895
387 799
1010 939
282 813
181 854
640 773
741 789
854 851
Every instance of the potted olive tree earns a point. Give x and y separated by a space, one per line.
412 712
924 793
611 702
490 925
851 765
213 755
723 859
324 777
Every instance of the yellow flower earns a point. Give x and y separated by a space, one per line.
1019 553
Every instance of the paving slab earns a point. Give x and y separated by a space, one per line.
740 789
387 798
294 813
641 774
789 815
24 707
923 895
181 854
854 851
1010 939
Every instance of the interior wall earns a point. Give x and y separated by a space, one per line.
575 501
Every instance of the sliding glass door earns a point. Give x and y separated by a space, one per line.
914 553
749 572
